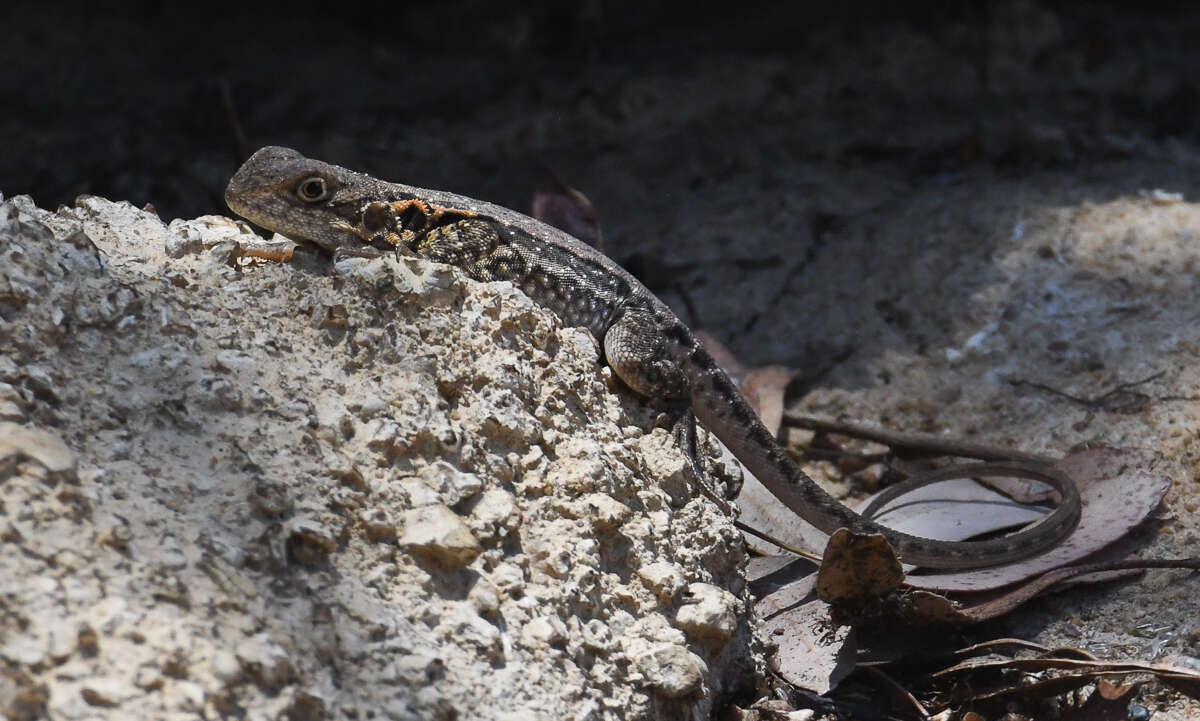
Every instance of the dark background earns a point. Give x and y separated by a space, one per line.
130 103
723 147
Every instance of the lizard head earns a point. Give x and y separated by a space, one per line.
304 199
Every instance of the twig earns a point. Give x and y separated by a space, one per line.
1134 399
916 442
239 136
900 696
815 558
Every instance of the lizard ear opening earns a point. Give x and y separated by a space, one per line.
312 189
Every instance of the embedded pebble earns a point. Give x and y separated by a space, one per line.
379 523
265 662
464 626
371 407
496 508
545 630
148 679
508 578
39 445
484 598
671 670
104 691
663 577
708 611
171 554
309 540
416 494
603 511
226 667
184 695
453 485
10 403
439 533
596 635
382 434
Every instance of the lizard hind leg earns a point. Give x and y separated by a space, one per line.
639 353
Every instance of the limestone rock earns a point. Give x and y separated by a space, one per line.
439 533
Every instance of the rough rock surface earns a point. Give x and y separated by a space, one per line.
236 487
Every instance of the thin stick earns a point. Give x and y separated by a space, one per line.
916 442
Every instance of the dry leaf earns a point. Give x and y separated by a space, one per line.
955 510
567 209
809 652
857 566
988 606
1117 488
899 698
1114 692
1061 674
764 389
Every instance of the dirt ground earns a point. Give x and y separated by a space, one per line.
916 209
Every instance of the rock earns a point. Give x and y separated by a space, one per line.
663 577
293 483
371 407
671 670
708 612
596 635
438 533
462 625
495 509
225 667
103 691
416 494
10 403
184 695
309 540
453 485
484 598
148 678
544 630
379 524
265 662
509 579
38 445
603 511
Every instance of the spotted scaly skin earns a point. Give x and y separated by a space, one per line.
646 345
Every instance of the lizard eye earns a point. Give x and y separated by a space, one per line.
310 190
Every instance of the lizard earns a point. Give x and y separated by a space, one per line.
647 346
